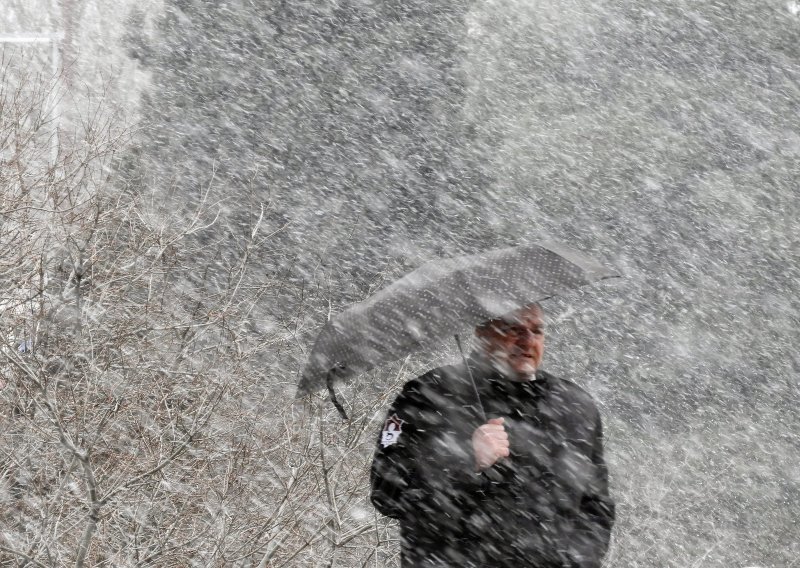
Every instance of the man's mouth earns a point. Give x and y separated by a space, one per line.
523 361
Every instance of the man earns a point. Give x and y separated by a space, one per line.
525 487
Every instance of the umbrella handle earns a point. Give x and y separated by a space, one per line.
471 379
334 400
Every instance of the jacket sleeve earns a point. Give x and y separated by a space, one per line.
423 465
593 525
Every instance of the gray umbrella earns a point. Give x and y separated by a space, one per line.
438 300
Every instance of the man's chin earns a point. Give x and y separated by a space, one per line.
526 373
517 371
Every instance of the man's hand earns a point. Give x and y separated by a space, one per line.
490 443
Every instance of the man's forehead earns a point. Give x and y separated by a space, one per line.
525 315
528 315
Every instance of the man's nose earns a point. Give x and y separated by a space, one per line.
526 336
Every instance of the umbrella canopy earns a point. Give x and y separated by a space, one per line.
440 299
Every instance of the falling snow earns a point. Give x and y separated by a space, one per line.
208 183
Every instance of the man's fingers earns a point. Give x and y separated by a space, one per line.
501 452
497 432
490 442
496 439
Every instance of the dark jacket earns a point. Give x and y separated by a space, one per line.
546 506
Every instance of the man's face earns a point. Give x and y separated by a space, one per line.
515 343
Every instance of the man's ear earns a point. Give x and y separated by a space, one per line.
482 338
481 331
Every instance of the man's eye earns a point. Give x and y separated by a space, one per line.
524 330
515 331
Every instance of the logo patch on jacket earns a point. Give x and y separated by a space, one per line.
391 431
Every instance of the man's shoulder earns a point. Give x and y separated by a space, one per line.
445 380
570 391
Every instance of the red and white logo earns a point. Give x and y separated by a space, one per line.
391 431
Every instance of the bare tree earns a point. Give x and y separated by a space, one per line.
147 418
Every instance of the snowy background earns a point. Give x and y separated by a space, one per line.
362 139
